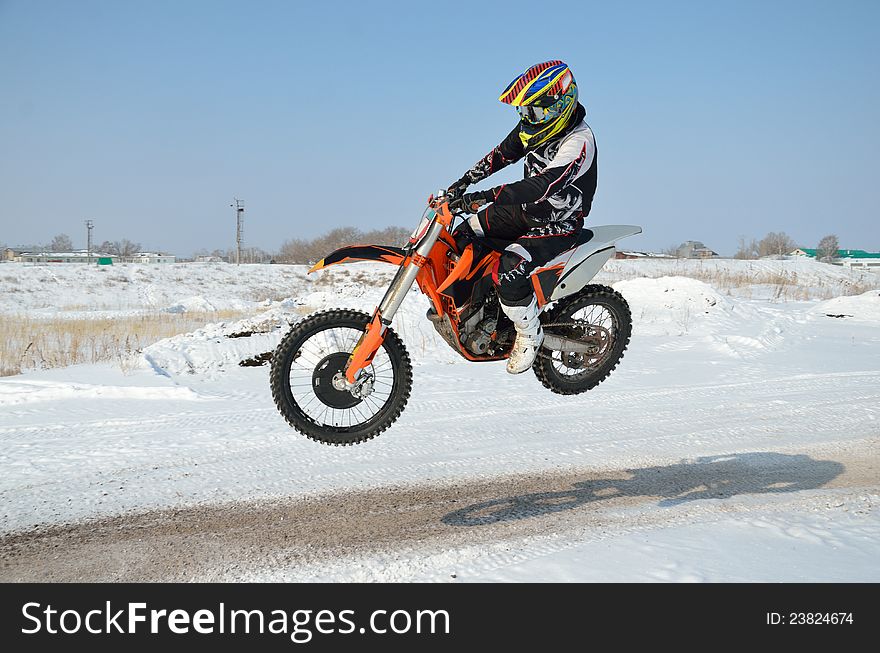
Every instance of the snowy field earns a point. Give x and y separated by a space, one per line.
737 441
54 289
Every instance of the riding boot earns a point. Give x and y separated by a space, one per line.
529 335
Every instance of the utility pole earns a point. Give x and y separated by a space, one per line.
239 227
89 226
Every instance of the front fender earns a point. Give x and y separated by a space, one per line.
355 253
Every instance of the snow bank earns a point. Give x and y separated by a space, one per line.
780 280
861 307
191 304
666 306
670 305
222 345
677 305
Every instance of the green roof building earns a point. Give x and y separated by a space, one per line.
841 253
850 258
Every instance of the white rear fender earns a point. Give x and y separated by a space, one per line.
588 258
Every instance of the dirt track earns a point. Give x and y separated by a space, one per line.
223 541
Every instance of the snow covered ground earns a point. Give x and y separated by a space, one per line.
60 289
737 441
65 288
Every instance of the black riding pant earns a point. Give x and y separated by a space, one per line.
524 243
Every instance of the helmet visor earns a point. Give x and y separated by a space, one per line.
536 115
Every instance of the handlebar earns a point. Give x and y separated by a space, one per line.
435 201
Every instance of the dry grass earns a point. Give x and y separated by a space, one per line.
36 343
365 277
271 294
782 285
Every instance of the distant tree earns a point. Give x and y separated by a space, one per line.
334 239
222 254
254 255
299 250
827 249
776 244
122 247
61 243
672 250
748 249
125 247
395 236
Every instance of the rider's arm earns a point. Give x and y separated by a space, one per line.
575 156
510 150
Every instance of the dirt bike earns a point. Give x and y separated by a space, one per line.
343 376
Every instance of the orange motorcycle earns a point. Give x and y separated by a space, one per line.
343 376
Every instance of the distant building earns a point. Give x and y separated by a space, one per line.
83 257
209 259
625 254
9 254
695 249
63 257
850 258
149 257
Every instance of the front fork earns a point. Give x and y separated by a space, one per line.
374 334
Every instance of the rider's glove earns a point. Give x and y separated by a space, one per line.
457 189
471 202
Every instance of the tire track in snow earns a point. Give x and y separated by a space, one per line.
204 456
516 517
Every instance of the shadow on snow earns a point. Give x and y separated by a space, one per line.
710 477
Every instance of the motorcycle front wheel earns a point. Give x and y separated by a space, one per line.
306 379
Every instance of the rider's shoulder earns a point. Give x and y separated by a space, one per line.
581 130
578 135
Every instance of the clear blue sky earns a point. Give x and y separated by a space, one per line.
713 119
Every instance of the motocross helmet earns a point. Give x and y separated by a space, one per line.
545 96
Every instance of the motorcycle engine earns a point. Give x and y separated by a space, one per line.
479 339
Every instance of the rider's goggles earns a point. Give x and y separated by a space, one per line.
536 114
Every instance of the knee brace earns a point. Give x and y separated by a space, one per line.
514 285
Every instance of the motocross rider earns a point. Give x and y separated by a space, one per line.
533 220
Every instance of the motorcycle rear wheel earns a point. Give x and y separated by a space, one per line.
594 306
315 352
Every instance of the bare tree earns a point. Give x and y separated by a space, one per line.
122 247
299 250
748 249
672 250
395 236
776 244
292 251
61 243
827 249
254 255
216 253
127 248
